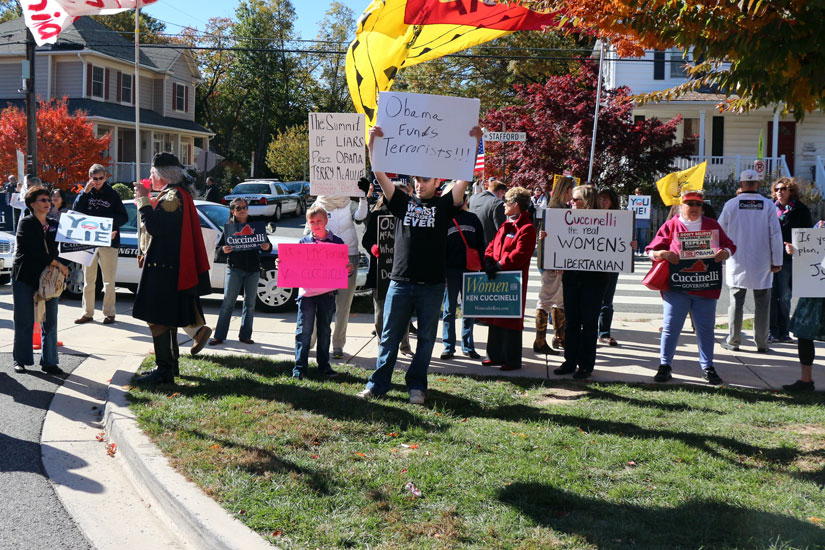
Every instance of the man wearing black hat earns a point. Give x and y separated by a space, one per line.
176 267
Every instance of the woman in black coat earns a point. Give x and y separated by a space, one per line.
36 250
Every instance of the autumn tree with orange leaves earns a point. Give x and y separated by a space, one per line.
66 144
776 48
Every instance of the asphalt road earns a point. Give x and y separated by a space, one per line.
31 516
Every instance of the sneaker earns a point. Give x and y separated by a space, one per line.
338 354
447 355
799 385
365 395
785 339
472 354
711 376
664 374
417 397
608 341
729 347
19 368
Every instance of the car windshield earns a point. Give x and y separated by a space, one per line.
218 214
251 189
295 187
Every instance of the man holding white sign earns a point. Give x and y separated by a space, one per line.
99 199
418 273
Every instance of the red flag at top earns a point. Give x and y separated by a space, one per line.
476 13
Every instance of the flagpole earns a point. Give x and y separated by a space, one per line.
136 91
596 116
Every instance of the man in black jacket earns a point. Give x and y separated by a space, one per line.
213 194
99 199
489 207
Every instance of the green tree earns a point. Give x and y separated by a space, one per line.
10 9
288 153
336 29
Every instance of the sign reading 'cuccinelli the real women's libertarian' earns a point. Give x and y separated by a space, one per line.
493 298
337 154
697 270
245 236
588 240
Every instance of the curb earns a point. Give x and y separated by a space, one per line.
180 503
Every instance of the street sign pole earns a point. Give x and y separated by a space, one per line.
504 155
504 136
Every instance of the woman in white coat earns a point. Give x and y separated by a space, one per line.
341 224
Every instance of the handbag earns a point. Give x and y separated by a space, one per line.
51 285
658 278
473 259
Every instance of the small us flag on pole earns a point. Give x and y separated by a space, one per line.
479 167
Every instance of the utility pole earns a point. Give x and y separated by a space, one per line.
31 106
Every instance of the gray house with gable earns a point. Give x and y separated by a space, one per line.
93 67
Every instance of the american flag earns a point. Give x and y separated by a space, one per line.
479 167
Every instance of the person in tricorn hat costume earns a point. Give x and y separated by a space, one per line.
176 267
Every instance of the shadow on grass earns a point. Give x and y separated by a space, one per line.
693 524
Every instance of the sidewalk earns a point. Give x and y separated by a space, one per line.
171 513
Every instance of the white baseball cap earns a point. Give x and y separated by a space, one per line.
749 175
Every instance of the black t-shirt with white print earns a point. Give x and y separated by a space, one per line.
421 237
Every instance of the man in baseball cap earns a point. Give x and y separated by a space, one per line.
750 220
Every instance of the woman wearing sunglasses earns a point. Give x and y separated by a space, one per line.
793 214
701 304
243 271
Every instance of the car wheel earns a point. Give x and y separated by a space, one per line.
4 279
277 215
272 298
301 208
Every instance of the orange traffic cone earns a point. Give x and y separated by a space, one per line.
36 341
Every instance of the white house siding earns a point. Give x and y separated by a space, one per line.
68 77
170 98
41 77
147 92
157 96
10 80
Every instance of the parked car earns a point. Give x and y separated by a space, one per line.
300 188
7 241
268 200
271 297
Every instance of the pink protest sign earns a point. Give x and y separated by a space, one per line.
313 265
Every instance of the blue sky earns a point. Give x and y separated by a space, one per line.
195 13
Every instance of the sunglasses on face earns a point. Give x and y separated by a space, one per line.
238 208
693 203
99 178
578 199
781 189
44 199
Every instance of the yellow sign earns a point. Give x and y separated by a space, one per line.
557 178
674 184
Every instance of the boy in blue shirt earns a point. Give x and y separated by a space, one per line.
316 306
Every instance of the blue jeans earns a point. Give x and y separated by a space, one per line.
781 300
235 280
23 294
677 304
403 299
318 312
455 280
641 238
606 312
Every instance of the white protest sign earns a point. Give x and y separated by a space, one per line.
426 135
808 271
639 204
77 228
337 153
698 244
588 240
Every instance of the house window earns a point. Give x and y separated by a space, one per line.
658 65
180 97
126 88
97 81
690 131
677 65
717 138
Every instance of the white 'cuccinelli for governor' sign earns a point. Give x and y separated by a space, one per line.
588 240
426 135
337 153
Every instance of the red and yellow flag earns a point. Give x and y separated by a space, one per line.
393 34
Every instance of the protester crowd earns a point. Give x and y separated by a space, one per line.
439 234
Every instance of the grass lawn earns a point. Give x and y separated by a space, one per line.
516 463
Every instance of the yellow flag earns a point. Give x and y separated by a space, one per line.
672 185
393 34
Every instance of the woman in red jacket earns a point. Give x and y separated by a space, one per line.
510 250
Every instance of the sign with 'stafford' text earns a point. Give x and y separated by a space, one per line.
426 135
588 240
337 153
